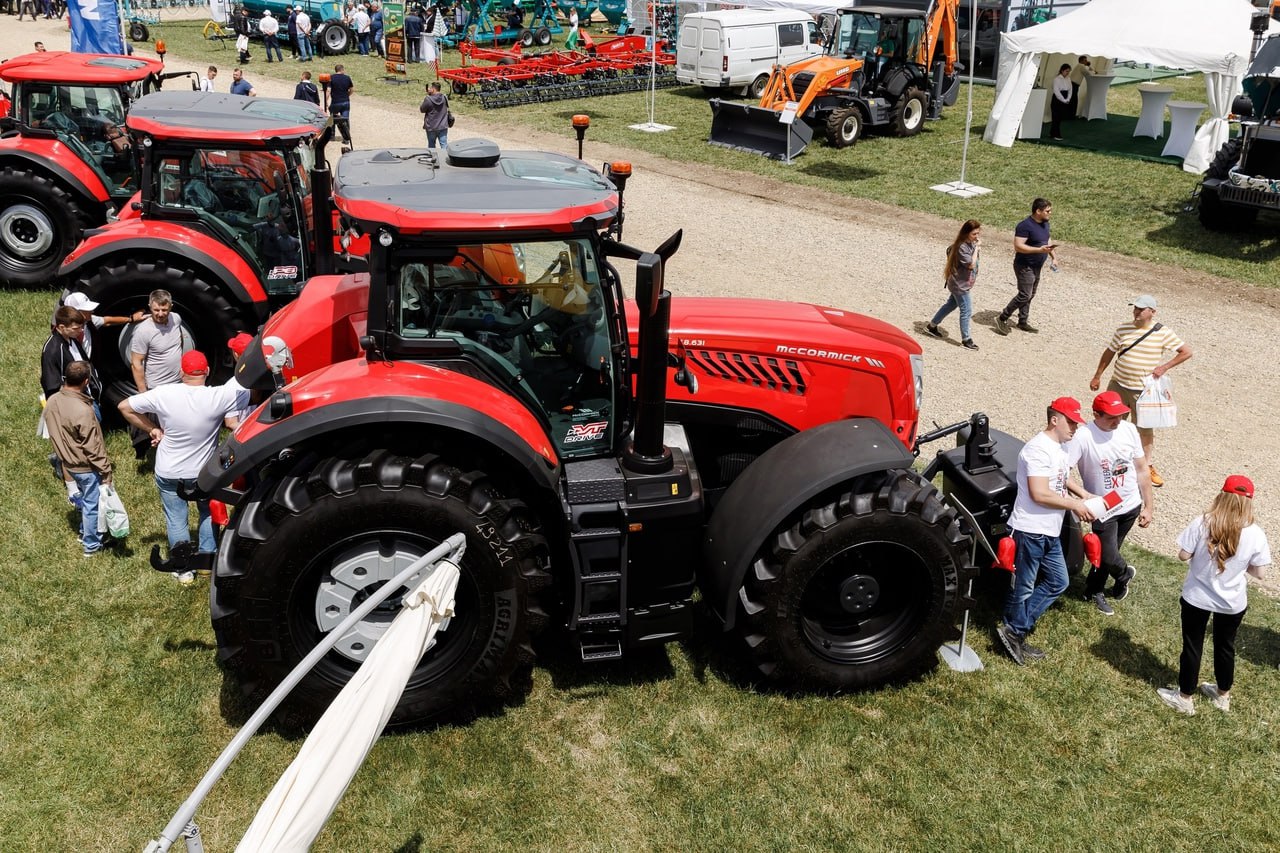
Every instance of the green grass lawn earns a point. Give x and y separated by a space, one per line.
1109 202
114 705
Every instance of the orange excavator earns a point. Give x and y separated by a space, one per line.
885 67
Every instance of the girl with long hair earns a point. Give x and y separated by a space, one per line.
1221 547
960 272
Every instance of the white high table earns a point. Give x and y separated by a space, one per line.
1183 116
1154 99
1093 100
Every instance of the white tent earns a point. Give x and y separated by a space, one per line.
1195 35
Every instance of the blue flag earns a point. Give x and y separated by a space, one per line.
95 26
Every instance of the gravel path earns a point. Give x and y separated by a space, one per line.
752 237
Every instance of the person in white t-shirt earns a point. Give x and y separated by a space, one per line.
183 421
1221 547
1113 465
1040 571
206 82
157 344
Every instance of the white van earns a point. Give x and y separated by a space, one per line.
737 48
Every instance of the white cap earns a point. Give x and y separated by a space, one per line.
80 302
267 13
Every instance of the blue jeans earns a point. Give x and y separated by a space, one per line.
89 492
177 517
271 43
304 46
362 41
963 301
1028 600
437 136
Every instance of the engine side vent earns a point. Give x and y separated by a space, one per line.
782 375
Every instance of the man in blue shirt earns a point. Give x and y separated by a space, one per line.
1031 245
340 89
241 86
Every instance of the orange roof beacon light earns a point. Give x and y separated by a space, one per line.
581 122
160 49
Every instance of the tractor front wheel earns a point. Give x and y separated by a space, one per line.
844 127
305 549
40 223
908 114
857 591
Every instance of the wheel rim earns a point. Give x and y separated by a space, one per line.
335 39
913 114
26 231
849 129
865 602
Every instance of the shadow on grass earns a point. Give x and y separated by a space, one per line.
1258 243
559 654
189 645
1128 658
832 170
412 845
1258 645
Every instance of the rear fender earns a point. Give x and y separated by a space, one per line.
782 480
178 245
358 400
51 157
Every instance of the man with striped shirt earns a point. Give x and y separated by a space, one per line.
1139 349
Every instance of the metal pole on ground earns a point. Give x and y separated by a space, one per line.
962 188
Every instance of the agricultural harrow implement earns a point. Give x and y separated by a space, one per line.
606 68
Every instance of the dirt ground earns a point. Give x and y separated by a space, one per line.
748 236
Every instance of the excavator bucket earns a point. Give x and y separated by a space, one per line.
757 129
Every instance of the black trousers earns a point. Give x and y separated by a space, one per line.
1058 111
1112 533
1225 625
1028 279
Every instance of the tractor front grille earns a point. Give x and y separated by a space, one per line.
782 375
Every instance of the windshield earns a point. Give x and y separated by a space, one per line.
532 315
258 199
858 35
90 119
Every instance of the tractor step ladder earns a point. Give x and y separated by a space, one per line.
596 492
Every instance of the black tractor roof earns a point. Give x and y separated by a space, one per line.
474 187
218 117
890 9
59 66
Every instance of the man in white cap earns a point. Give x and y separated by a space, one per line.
1140 349
92 322
270 29
303 22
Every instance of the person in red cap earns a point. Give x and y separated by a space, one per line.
1220 548
1040 570
183 421
1109 456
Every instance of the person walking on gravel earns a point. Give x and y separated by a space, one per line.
1109 456
1031 246
1040 573
960 272
1220 548
1139 348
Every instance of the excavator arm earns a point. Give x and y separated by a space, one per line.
941 36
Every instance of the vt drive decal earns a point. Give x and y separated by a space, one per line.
585 432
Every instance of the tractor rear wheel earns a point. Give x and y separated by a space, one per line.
122 288
308 547
40 223
844 126
334 38
858 591
908 114
1213 214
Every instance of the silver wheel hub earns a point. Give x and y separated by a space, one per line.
356 573
26 230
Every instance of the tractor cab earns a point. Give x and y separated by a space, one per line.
250 189
884 38
530 307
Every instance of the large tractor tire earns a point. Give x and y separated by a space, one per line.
1213 213
909 113
40 223
844 126
304 550
333 38
860 590
122 288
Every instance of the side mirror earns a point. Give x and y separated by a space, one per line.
648 283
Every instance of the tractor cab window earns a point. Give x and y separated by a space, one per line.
531 315
858 35
244 194
90 119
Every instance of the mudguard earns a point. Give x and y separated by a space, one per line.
152 238
372 396
50 155
784 478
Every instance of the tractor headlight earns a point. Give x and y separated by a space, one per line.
917 379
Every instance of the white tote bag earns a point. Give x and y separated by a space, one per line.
111 513
1156 409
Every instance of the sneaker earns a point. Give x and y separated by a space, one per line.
1156 479
185 578
1100 602
1175 700
1222 703
1027 327
968 343
1002 325
1012 643
1031 652
89 552
1120 590
933 330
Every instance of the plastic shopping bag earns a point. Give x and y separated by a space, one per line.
111 509
1156 409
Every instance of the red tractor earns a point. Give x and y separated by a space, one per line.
65 164
226 220
487 375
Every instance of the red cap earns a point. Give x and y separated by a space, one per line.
1068 406
240 343
194 363
1109 403
1238 484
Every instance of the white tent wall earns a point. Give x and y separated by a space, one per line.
1212 37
